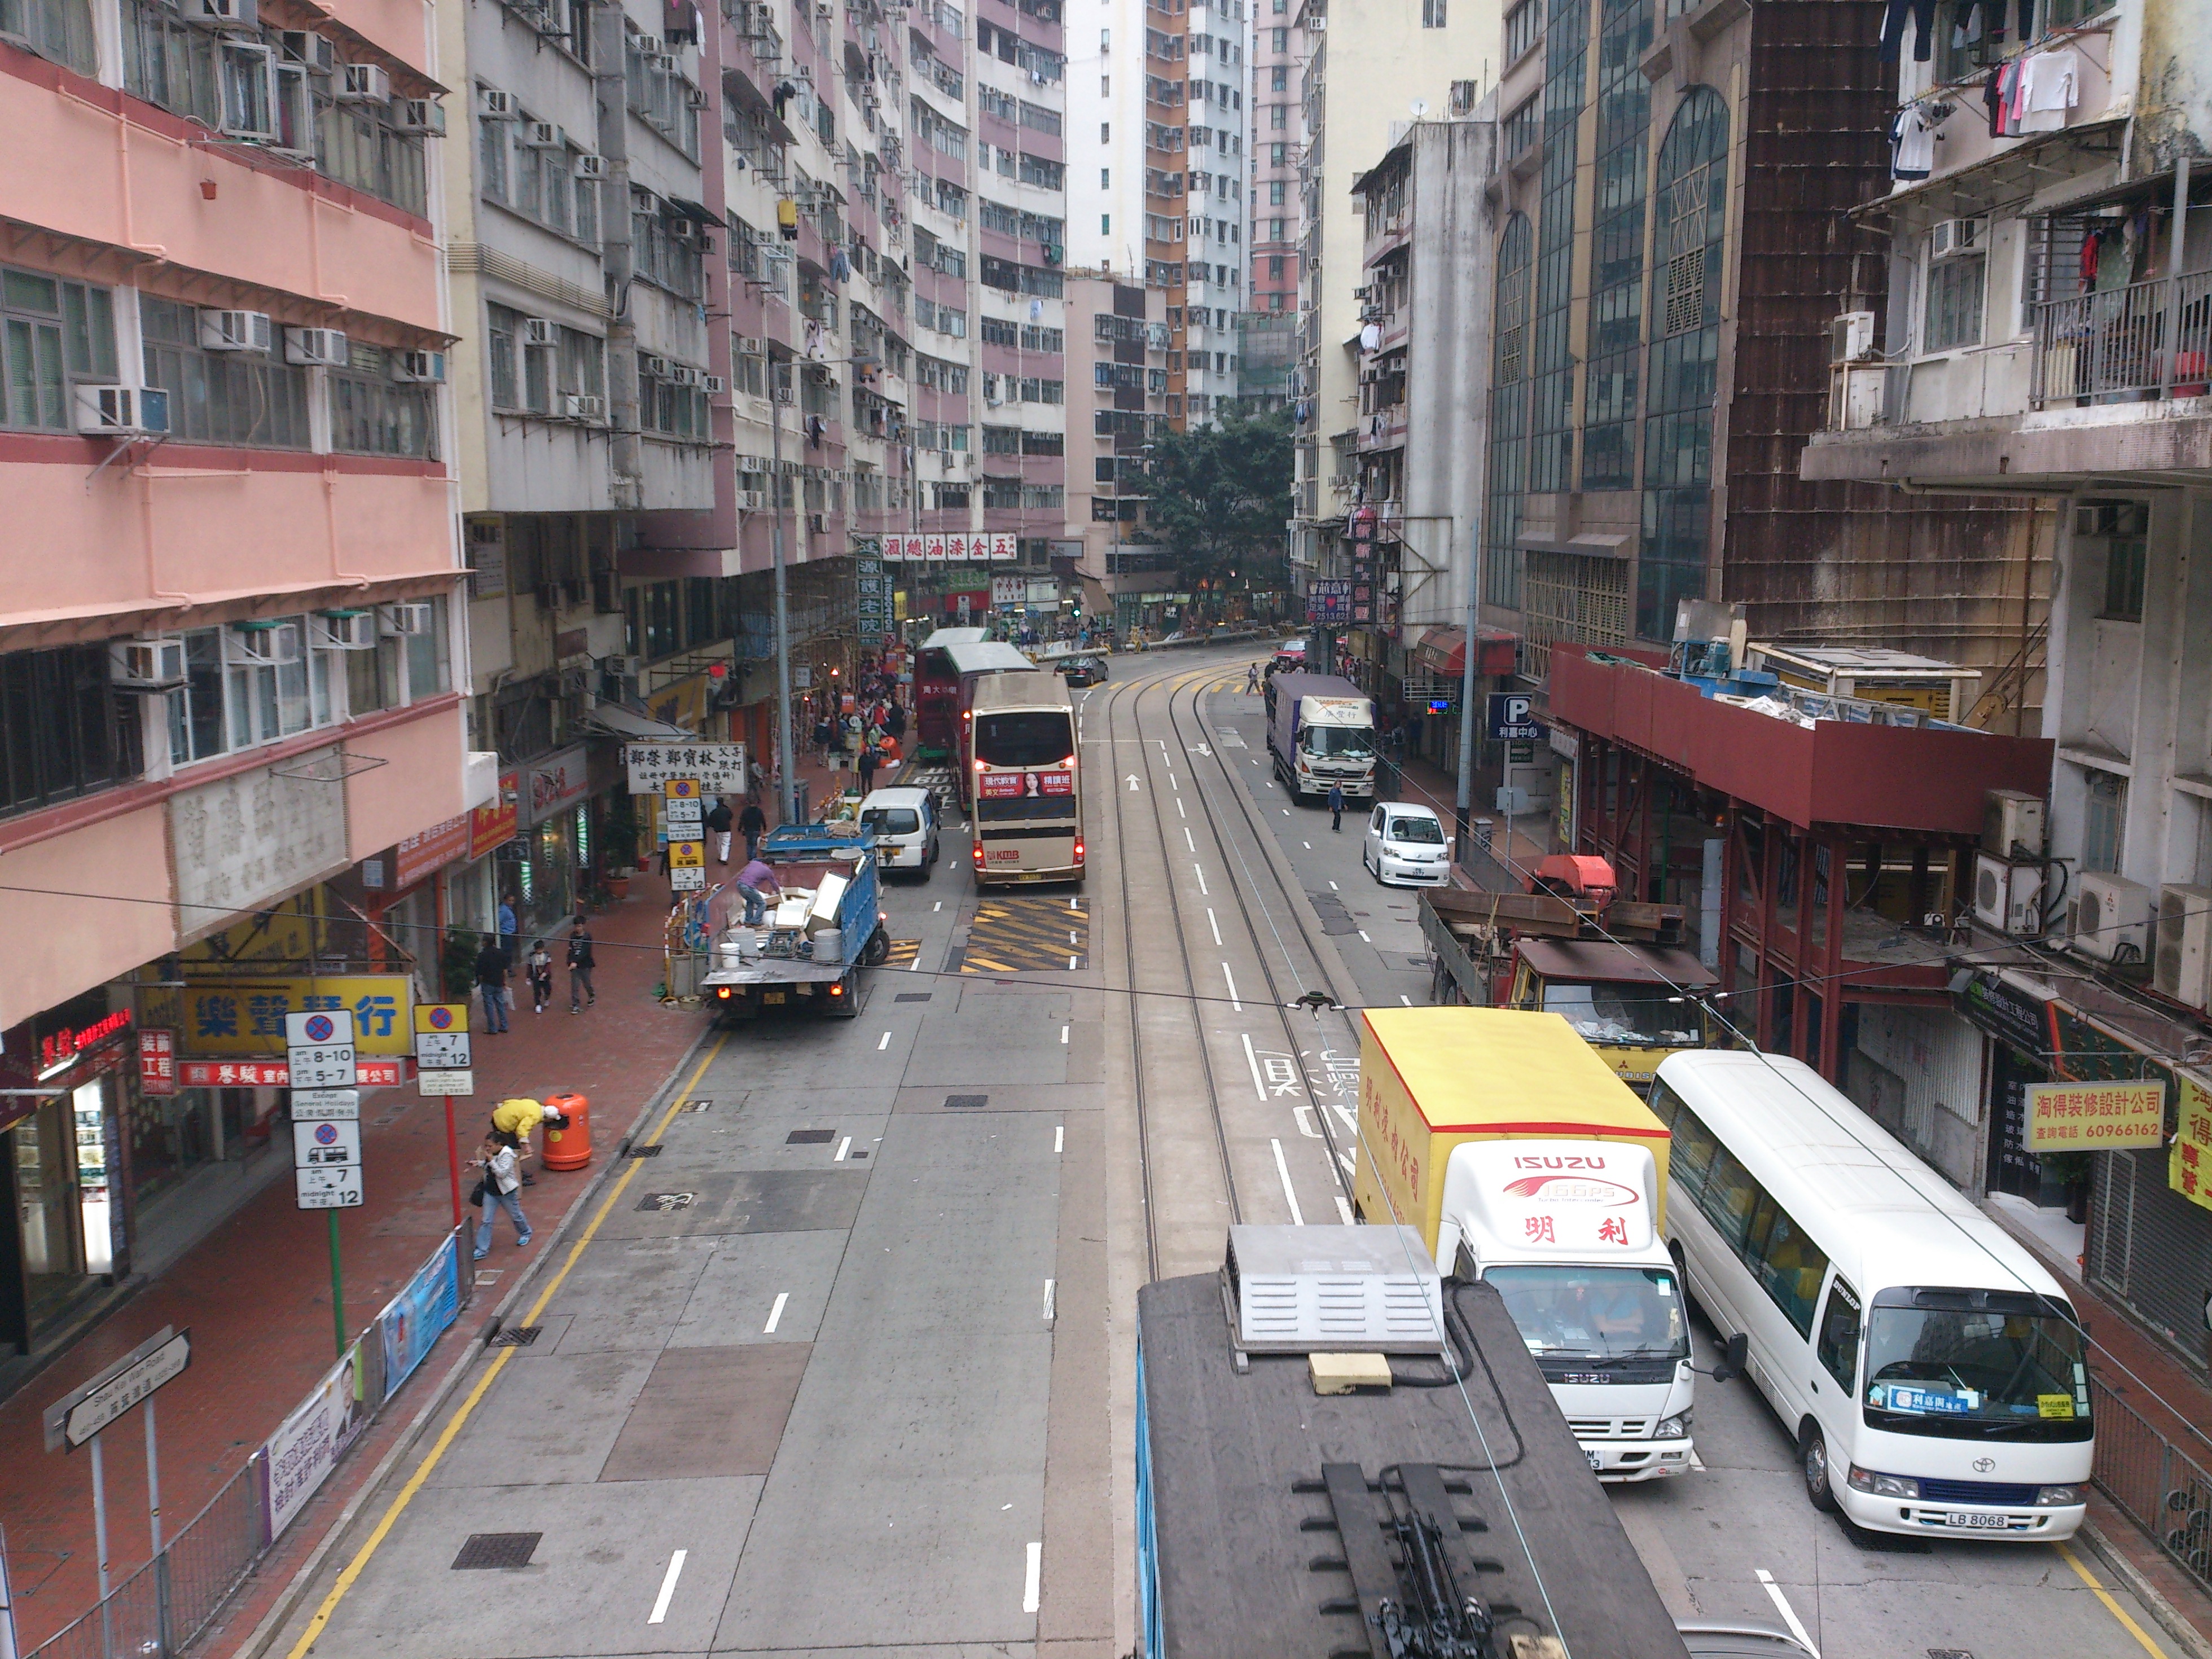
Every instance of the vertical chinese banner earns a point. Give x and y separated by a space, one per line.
2189 1165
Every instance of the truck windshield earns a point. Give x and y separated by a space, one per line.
1635 1016
1040 737
1594 1313
1975 1373
1350 740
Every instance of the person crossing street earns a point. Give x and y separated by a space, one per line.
1336 808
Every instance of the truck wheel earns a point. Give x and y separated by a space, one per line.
879 949
1813 1459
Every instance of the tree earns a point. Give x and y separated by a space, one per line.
1220 496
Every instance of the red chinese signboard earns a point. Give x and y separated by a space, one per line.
157 1061
431 851
489 826
59 1047
274 1074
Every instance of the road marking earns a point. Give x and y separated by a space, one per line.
1789 1614
1179 811
1202 879
2111 1606
1307 845
1214 925
1048 1300
1305 1127
1362 934
1253 1060
1289 1197
939 905
1334 888
1344 1209
1403 997
354 1569
1075 938
1075 904
1032 1579
1186 841
1696 1461
843 1147
914 967
1286 811
1072 961
1060 1137
885 1043
1063 1036
1350 1167
1172 784
775 1314
1233 1001
667 1587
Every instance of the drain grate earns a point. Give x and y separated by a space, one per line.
700 1106
965 1103
810 1137
911 996
497 1549
1948 1653
516 1336
666 1203
641 1151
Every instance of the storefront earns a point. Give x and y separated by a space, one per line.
549 867
63 1166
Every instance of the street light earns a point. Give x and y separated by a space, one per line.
787 796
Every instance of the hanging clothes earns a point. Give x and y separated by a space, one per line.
1966 24
1922 14
1993 99
1912 140
2090 243
2050 85
787 218
840 267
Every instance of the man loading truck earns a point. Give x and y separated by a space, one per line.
1526 1164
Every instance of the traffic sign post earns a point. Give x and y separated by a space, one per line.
441 1067
683 809
319 1053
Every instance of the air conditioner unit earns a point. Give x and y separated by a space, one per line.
653 367
2181 966
266 645
1851 337
315 348
121 412
695 97
581 406
752 500
1955 236
540 332
749 347
681 374
235 331
783 394
629 667
146 664
363 83
752 463
343 630
497 106
713 384
818 523
2009 896
591 166
2112 918
2012 826
647 45
419 367
541 135
221 14
419 115
317 52
394 621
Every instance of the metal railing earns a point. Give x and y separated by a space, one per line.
2154 1482
2114 344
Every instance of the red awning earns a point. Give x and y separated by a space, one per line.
1442 650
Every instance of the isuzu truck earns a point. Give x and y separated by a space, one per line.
1526 1164
1320 731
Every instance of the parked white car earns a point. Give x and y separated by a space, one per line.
906 824
1405 845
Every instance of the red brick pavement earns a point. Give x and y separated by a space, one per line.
257 1293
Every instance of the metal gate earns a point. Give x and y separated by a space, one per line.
2149 1248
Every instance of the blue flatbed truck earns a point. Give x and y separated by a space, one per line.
789 962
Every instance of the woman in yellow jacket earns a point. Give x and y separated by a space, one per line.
516 1118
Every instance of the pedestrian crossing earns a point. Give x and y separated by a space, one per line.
1027 935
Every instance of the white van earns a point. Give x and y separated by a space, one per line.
1405 845
906 825
1932 1371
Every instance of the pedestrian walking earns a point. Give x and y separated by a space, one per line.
492 968
719 820
758 883
895 720
515 1119
581 963
1336 807
537 968
869 761
1251 677
501 1163
753 825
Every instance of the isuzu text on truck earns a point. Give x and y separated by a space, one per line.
1321 731
1527 1164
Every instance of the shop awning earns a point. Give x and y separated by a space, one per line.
612 720
1442 650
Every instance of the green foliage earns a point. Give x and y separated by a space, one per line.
457 966
1219 498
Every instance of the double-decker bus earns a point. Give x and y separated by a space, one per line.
942 664
1019 780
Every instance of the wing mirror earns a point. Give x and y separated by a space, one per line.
1735 1356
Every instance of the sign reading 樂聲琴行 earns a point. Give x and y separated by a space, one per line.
247 1016
718 767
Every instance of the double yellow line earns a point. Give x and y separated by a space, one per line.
355 1568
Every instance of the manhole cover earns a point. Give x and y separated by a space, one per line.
911 996
1948 1653
497 1549
965 1103
667 1203
642 1151
810 1137
516 1336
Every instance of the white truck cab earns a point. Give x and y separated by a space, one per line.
1567 1232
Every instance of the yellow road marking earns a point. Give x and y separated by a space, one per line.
2111 1606
355 1568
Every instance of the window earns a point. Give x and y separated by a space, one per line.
1953 315
58 30
1838 1346
1788 1265
55 333
503 337
242 398
2104 820
357 145
1521 25
370 414
1035 170
62 732
1432 14
1278 40
229 703
2124 527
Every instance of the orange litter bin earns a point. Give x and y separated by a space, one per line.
570 1148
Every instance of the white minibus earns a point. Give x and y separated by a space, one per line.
1932 1371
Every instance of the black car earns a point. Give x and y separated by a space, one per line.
1083 670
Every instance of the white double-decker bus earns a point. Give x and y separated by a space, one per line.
1931 1370
1020 780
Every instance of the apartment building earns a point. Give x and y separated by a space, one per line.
2045 331
1371 67
1121 326
231 637
1278 148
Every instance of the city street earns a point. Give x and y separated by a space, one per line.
845 1364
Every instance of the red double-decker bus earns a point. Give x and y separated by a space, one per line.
948 660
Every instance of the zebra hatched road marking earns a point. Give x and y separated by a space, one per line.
1023 935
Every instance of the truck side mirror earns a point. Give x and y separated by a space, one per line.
1735 1356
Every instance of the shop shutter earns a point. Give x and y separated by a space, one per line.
2148 1247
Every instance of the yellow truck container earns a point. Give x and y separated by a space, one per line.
1434 1078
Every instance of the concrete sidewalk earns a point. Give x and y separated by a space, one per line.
256 1293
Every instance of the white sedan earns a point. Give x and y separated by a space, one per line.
1405 847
